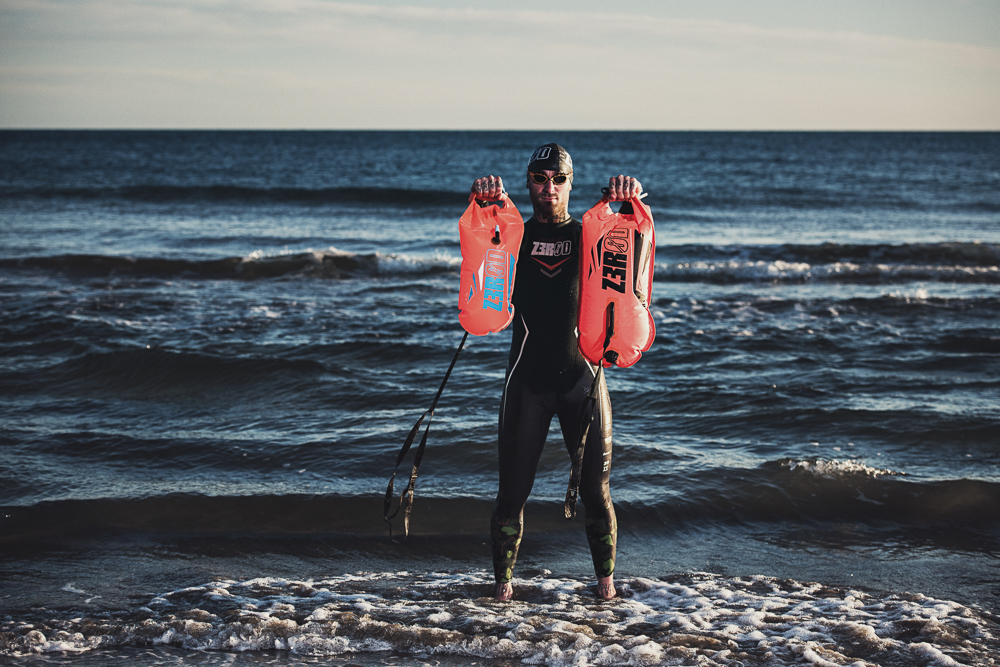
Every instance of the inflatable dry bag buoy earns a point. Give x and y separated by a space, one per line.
616 282
491 238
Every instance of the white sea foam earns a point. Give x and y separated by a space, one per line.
264 311
696 618
334 262
401 263
833 469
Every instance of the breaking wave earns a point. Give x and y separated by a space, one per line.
973 262
945 262
779 491
800 272
330 263
946 254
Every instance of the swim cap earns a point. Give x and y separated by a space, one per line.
552 157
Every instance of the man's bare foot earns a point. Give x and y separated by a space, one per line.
504 592
606 588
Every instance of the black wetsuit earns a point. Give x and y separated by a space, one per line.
546 376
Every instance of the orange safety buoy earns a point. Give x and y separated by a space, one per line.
616 283
490 237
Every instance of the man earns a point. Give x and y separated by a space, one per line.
546 374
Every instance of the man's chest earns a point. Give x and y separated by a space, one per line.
551 256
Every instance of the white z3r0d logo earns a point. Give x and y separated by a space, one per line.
557 249
540 154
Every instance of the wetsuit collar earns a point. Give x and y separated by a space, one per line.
550 225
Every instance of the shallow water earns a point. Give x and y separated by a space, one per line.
694 617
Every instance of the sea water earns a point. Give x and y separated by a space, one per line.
213 344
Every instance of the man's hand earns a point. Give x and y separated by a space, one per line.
622 188
489 188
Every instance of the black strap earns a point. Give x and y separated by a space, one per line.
569 507
406 498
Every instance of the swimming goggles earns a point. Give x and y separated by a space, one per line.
542 179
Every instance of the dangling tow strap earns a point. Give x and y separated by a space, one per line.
569 508
406 498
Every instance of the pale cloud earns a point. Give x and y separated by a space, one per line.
308 63
393 29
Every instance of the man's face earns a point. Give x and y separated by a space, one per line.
548 196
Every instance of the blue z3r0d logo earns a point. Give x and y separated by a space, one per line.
495 281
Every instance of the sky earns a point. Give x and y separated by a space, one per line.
509 64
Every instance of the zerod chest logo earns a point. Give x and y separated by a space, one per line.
551 255
614 260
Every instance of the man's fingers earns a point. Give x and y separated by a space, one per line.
488 188
618 186
491 186
622 187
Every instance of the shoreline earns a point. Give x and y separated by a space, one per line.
864 557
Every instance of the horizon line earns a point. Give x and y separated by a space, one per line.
429 129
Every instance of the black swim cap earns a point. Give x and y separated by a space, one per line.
551 157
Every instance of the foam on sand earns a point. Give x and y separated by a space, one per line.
689 619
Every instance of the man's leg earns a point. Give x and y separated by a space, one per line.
524 424
595 493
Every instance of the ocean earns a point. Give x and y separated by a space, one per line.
213 344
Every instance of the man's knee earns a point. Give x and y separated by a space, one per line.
596 499
509 503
